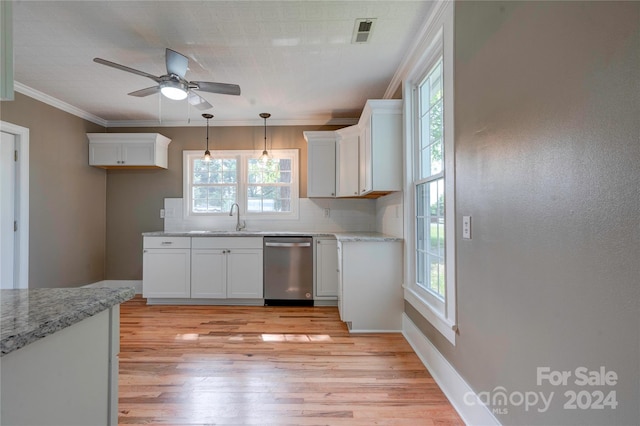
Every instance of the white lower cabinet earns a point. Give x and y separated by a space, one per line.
326 264
216 268
166 267
226 268
370 296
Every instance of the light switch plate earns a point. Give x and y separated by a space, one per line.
466 227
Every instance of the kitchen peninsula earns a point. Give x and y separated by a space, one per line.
59 350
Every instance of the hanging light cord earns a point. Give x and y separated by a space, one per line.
265 154
207 154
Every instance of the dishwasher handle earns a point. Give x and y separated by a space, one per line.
271 244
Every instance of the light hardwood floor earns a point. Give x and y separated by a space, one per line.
215 365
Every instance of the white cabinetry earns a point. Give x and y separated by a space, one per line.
226 268
127 150
166 267
321 164
370 294
380 161
326 265
347 162
369 154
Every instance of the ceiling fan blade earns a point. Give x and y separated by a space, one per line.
127 69
145 92
223 88
198 101
177 63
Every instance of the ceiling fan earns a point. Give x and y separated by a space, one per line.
173 85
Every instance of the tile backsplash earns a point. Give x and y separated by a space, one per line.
354 215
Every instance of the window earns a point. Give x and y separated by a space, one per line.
430 234
266 189
429 182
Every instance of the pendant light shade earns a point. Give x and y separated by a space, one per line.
207 154
265 154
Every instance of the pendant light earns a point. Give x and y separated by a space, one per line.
207 154
265 155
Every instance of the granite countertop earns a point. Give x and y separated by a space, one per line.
340 236
29 315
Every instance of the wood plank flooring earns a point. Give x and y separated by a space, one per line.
217 365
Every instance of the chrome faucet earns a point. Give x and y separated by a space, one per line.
239 226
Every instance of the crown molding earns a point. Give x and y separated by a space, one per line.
419 46
236 123
57 103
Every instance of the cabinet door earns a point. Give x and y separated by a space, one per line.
209 274
321 169
366 171
166 273
138 154
326 268
244 274
104 154
348 166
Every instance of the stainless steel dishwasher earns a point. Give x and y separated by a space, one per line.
288 271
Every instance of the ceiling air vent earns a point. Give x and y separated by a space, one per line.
362 30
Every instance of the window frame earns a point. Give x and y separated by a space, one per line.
242 169
438 42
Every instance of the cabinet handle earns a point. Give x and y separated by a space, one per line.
355 193
166 243
228 251
333 193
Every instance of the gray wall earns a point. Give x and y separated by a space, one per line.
135 197
547 133
67 212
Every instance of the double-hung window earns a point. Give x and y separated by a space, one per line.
262 189
430 234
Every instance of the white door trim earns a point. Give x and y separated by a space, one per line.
22 199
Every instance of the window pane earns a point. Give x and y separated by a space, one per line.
430 236
265 198
430 118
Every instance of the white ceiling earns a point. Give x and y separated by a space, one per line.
293 59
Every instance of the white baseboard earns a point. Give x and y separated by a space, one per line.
137 284
460 394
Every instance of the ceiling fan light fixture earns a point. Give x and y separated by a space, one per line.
175 90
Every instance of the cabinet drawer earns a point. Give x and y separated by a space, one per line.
226 242
167 242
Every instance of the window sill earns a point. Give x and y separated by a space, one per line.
446 327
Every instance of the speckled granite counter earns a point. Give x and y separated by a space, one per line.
340 236
29 315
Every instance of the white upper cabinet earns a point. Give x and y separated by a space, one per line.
369 154
380 165
128 150
321 164
347 162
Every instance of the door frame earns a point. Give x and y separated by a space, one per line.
21 200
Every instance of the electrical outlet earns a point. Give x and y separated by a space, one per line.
466 227
327 212
161 213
